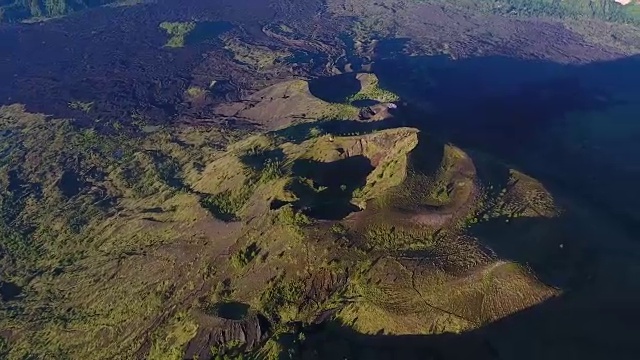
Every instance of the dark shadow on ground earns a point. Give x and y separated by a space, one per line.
9 291
70 183
230 310
259 159
336 88
365 102
541 332
595 317
516 110
427 156
208 31
559 251
325 188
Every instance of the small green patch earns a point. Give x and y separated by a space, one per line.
271 170
259 57
178 32
315 132
264 164
232 350
196 92
244 256
82 106
226 205
339 229
373 91
282 299
222 291
285 28
288 216
4 347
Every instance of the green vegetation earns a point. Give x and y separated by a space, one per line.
339 112
127 239
281 301
196 93
82 106
606 10
259 166
371 91
16 10
227 205
178 32
371 28
79 207
232 350
168 344
222 291
4 347
118 229
244 256
385 236
259 57
288 216
339 229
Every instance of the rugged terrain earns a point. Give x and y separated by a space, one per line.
320 180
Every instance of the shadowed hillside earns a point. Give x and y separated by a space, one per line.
570 125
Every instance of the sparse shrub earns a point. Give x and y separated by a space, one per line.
232 350
195 92
226 205
281 301
263 163
259 57
315 132
138 179
244 256
254 150
82 106
339 229
359 192
165 289
208 271
288 216
4 347
271 170
222 291
169 171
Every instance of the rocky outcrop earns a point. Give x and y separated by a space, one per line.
216 331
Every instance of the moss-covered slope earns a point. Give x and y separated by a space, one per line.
195 241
